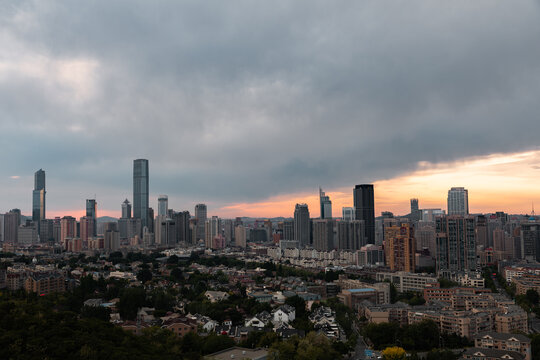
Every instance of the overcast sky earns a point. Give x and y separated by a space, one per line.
240 101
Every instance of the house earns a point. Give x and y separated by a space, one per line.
180 326
215 296
283 314
210 325
286 332
491 354
261 297
255 322
501 341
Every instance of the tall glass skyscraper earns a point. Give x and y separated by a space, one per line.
91 212
38 197
140 190
326 205
364 208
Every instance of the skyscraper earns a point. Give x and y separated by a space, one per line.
301 225
91 212
456 243
326 205
364 208
38 197
140 191
163 205
458 201
323 234
200 216
126 209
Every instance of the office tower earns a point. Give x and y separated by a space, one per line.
12 221
414 205
288 229
126 209
269 229
111 237
87 225
163 205
68 229
401 244
350 235
458 201
482 231
212 229
326 205
200 215
141 191
228 231
530 240
167 231
258 235
426 237
57 230
46 230
364 208
38 196
27 233
240 236
193 231
323 234
151 220
301 225
182 227
347 213
456 243
431 214
91 212
416 214
1 228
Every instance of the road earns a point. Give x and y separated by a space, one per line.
359 351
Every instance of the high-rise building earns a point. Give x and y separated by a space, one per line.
141 191
111 236
228 231
414 205
183 232
323 234
1 228
456 243
38 196
301 225
167 231
91 212
401 247
530 240
68 229
12 221
350 235
87 228
163 205
364 207
200 216
416 213
288 229
126 209
326 205
347 213
458 201
482 231
46 230
212 229
240 236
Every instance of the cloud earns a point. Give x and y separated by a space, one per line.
240 101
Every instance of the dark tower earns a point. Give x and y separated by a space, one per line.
364 207
140 191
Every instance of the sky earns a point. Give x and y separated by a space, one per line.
250 106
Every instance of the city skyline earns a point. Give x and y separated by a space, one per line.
225 121
386 192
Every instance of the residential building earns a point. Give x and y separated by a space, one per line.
401 248
406 281
456 243
501 341
323 234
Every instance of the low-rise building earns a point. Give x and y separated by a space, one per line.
490 354
45 283
503 341
406 281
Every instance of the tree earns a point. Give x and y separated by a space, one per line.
144 275
532 296
299 304
394 353
131 299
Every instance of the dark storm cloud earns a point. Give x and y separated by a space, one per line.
241 100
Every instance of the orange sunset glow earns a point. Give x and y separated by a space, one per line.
498 182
